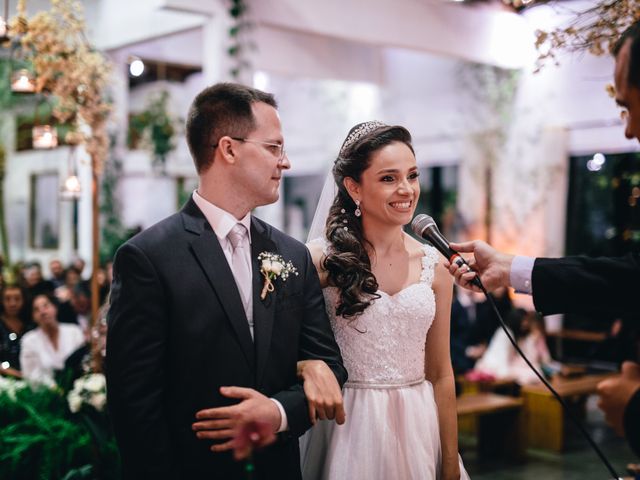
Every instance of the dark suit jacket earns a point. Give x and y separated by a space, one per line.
590 286
178 331
632 423
607 286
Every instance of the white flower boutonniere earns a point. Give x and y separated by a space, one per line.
273 266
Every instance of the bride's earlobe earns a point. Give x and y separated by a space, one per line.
352 187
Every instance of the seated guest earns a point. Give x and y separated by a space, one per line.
71 279
46 348
35 282
502 362
13 325
57 272
485 323
460 325
104 284
78 264
78 309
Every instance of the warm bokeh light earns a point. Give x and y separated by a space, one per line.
44 137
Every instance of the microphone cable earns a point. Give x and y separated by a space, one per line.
565 407
425 227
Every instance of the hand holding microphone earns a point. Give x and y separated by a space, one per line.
493 267
487 266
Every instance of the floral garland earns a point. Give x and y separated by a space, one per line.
69 70
595 30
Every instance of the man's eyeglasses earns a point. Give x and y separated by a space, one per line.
276 149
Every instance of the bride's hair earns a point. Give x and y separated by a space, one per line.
347 263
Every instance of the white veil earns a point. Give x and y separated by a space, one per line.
329 192
330 189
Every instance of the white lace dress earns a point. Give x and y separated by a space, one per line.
392 429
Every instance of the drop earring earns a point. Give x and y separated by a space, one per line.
358 212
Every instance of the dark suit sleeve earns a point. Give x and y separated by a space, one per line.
135 366
586 285
316 342
632 423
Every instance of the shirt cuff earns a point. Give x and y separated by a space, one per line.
520 275
284 425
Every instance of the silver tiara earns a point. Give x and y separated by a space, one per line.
362 130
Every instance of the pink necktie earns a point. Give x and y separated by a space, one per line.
241 268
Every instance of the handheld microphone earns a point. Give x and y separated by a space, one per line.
425 227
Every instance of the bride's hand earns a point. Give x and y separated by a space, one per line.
322 391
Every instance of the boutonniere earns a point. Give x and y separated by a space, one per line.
273 266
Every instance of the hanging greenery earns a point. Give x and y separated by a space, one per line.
240 43
5 260
7 98
112 230
154 128
7 101
492 94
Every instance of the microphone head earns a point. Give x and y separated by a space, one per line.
420 222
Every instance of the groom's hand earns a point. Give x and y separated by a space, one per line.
222 423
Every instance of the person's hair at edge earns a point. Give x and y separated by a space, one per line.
633 34
219 110
347 263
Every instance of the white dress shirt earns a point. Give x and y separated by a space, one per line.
38 358
520 274
222 222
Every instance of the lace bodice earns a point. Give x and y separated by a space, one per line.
385 345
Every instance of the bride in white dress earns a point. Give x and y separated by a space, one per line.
389 304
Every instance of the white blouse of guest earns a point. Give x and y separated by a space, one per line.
38 358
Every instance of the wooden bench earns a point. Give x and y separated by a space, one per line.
497 423
573 335
502 387
544 416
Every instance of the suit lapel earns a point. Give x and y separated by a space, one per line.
263 310
209 254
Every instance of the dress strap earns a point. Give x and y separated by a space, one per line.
429 261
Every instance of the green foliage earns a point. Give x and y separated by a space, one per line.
7 98
113 232
156 122
239 44
492 91
41 439
4 238
603 212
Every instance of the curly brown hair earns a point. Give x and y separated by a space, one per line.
347 262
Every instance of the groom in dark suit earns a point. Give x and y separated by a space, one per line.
188 327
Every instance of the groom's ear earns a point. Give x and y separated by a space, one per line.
353 187
227 149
